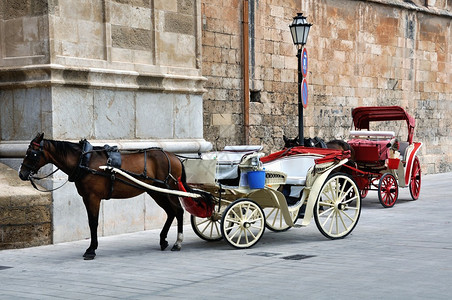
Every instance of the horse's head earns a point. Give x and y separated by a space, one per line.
341 145
289 143
34 158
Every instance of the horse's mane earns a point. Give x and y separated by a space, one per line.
64 148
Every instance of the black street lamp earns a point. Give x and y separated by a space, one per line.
300 31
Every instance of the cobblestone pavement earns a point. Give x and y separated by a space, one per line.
404 252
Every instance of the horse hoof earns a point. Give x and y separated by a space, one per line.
89 256
176 248
163 245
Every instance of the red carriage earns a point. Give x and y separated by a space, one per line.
384 162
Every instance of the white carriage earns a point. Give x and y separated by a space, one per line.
292 180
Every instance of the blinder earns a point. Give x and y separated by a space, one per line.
34 156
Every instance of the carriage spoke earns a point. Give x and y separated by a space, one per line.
328 217
350 200
326 211
342 190
275 220
233 222
251 233
236 215
329 204
331 223
330 195
251 215
214 229
343 195
347 215
274 210
342 220
237 230
207 228
277 215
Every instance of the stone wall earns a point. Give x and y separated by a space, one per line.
382 53
361 53
271 71
25 214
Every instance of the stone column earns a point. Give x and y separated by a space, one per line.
123 72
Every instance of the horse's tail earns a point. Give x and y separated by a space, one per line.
183 180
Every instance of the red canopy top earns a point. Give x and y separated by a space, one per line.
365 114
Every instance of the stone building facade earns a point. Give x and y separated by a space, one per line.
361 53
122 72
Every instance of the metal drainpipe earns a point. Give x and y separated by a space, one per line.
246 79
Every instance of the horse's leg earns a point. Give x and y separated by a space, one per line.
163 202
180 222
92 205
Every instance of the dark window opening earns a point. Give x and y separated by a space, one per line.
255 96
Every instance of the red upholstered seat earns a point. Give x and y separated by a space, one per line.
369 151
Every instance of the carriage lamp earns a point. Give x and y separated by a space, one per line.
300 31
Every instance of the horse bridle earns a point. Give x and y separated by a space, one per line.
35 158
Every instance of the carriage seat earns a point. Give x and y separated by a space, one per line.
296 167
369 151
402 149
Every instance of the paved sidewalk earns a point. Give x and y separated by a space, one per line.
404 252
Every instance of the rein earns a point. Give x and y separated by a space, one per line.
32 178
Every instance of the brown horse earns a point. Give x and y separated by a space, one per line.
152 166
341 145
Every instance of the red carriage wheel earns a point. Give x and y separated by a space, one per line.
363 193
415 181
388 190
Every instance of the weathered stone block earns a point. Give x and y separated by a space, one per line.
222 119
153 122
189 116
114 113
74 113
186 6
165 5
131 16
131 38
179 23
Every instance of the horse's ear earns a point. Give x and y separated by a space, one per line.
39 137
284 138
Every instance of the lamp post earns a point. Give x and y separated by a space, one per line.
300 31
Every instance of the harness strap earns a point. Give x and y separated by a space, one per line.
169 171
150 187
145 169
112 184
82 165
